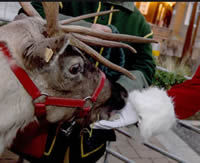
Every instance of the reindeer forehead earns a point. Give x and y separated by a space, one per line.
72 59
70 51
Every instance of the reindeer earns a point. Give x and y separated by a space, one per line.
52 54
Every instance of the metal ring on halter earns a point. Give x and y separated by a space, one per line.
40 99
88 98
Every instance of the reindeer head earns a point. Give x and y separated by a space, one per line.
70 74
73 76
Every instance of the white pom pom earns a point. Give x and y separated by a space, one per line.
155 109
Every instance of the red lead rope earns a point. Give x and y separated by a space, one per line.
34 92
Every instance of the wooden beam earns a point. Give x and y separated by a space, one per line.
188 37
194 35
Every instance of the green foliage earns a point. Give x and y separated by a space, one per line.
166 80
3 23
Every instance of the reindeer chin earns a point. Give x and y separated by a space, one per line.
55 114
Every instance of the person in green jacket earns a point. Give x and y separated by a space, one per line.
128 21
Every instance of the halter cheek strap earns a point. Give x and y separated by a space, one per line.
34 92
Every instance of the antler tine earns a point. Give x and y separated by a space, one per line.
99 42
74 19
88 50
28 8
51 10
106 35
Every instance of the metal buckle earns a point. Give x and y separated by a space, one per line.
68 131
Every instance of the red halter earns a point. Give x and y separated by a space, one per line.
34 92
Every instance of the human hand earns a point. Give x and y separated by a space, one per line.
126 116
100 27
152 108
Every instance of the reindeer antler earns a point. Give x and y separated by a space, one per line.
77 40
51 10
74 19
28 8
106 35
93 41
79 44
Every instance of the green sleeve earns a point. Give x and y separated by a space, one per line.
139 83
136 25
141 64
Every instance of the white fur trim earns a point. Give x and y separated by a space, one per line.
155 109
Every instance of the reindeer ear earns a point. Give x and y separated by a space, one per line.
20 16
37 54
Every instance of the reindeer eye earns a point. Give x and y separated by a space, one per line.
75 69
